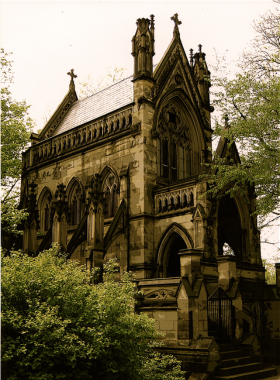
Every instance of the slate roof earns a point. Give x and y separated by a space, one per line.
103 102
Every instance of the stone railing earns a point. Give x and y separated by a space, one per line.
174 200
73 139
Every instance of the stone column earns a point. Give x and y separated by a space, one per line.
190 263
59 222
31 225
226 271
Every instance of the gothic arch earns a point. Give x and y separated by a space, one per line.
44 206
180 136
184 103
75 196
105 172
72 183
110 187
173 234
230 226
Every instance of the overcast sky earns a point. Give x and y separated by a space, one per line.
48 38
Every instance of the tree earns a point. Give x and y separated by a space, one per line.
248 114
87 88
57 325
16 126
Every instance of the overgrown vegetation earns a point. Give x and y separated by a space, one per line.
57 325
249 104
16 126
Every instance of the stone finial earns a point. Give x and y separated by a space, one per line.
72 75
152 22
143 48
199 48
191 57
177 22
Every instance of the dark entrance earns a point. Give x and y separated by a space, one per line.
229 227
220 316
173 259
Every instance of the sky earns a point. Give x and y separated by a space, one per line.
49 38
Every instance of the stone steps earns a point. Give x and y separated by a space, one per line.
238 369
234 365
231 354
260 374
236 361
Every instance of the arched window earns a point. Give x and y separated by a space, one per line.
45 210
75 204
110 190
174 160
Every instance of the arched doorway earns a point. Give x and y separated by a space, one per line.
172 255
229 228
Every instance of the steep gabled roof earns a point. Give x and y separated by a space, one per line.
223 149
58 114
103 102
72 112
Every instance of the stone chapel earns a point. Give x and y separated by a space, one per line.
118 175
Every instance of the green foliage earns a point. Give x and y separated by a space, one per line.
11 216
16 126
270 272
250 104
87 88
57 325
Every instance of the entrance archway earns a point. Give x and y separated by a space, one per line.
229 228
172 256
173 239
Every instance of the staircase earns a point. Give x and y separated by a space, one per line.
240 365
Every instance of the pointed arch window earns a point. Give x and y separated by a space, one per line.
45 211
174 160
75 204
111 194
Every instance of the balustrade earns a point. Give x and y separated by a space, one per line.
174 200
75 139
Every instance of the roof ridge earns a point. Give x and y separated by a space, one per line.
106 88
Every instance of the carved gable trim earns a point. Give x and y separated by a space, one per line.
58 115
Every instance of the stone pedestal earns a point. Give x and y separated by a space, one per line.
59 231
226 271
190 263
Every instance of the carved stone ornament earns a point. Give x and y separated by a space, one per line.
171 126
156 89
110 183
178 79
161 294
176 126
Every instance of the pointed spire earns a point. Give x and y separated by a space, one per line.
191 57
143 48
177 22
72 75
152 23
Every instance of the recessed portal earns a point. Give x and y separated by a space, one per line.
173 258
229 228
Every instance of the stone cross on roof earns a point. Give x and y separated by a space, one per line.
177 22
72 75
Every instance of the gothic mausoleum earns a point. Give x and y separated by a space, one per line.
118 175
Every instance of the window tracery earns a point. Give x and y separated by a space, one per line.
75 201
110 190
173 144
45 211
